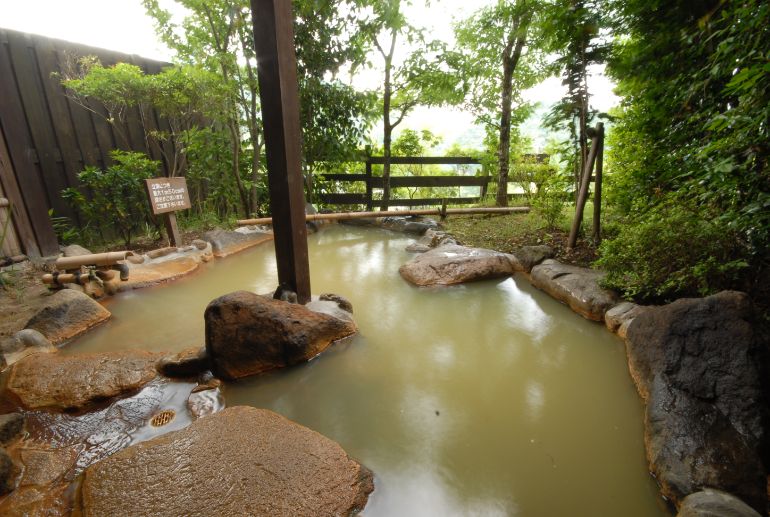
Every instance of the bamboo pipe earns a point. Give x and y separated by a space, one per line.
98 259
388 213
75 278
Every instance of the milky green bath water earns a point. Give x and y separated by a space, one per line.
485 399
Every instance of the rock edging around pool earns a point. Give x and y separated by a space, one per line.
697 363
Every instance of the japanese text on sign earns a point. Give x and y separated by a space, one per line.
168 194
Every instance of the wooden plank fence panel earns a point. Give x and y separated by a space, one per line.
44 142
51 138
21 152
19 217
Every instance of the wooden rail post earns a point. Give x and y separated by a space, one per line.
585 181
369 203
278 92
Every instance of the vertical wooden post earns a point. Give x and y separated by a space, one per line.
369 203
278 92
598 189
585 181
169 220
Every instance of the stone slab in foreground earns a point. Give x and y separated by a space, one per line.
247 334
67 314
698 365
576 286
241 461
453 264
56 381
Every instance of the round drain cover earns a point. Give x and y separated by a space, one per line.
163 418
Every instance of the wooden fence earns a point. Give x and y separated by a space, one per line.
46 138
375 182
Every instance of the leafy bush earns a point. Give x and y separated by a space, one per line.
670 251
118 200
549 198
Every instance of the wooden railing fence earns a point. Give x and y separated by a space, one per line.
375 182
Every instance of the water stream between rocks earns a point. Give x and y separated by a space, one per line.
484 399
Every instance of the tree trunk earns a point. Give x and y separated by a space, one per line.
235 136
504 154
387 128
511 55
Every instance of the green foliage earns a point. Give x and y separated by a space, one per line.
694 122
118 199
670 251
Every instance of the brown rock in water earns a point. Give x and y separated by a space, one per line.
43 467
713 503
187 363
454 264
240 461
576 286
698 363
37 501
247 334
67 314
619 318
73 382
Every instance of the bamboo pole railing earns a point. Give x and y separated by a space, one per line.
388 213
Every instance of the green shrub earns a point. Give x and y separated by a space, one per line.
117 198
670 251
549 199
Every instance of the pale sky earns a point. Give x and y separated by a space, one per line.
122 25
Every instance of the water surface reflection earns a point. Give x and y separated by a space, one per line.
483 399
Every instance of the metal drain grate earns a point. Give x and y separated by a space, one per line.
163 418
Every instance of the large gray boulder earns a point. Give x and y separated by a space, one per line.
527 257
240 461
247 334
225 243
713 503
698 365
576 286
453 264
67 313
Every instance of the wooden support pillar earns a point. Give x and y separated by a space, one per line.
172 229
278 92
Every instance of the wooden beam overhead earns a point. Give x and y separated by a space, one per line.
279 95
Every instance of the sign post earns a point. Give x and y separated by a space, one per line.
167 195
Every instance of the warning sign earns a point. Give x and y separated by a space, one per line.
168 194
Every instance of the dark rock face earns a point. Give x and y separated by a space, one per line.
696 362
713 503
527 257
247 334
452 264
67 314
11 427
576 286
240 461
8 473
